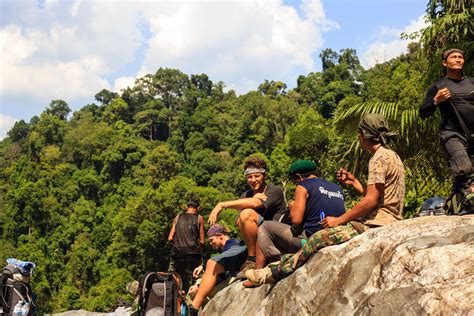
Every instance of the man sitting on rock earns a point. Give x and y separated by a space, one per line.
382 203
315 198
262 202
233 255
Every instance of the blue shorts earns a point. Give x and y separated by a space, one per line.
233 259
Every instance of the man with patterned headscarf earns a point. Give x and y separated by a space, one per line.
382 201
262 202
219 269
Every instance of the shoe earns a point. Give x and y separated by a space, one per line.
260 276
248 264
192 311
248 284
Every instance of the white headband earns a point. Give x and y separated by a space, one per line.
254 170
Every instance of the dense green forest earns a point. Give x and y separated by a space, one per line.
89 195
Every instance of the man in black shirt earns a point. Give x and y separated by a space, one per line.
453 94
262 202
187 238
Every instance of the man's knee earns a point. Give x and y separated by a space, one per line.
459 160
461 167
248 215
213 267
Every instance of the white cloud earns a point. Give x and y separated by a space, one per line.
388 45
122 83
236 42
73 49
66 49
6 123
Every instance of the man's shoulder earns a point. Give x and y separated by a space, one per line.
385 153
246 194
274 188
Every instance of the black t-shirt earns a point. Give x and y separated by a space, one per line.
275 205
460 89
186 237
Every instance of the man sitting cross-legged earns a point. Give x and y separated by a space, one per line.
263 202
315 198
381 205
232 255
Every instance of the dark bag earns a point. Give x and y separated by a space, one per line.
161 295
15 296
432 206
459 204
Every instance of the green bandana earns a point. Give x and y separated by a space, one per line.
375 128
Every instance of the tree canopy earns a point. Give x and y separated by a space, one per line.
90 196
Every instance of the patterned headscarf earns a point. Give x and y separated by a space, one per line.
375 128
216 229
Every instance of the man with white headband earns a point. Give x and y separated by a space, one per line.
262 202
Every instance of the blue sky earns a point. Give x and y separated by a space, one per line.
70 50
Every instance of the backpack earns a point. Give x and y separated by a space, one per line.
161 295
432 206
15 296
459 204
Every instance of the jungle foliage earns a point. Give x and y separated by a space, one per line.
89 196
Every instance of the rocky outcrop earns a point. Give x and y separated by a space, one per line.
413 267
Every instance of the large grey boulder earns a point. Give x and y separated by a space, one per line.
422 266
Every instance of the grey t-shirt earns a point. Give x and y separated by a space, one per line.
275 205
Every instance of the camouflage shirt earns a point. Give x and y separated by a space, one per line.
386 167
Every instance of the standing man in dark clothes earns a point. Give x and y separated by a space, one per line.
262 202
187 238
452 93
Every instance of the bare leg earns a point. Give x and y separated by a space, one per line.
248 226
208 282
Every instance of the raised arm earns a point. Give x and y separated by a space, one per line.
347 178
429 105
235 204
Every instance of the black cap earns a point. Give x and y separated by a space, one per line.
193 203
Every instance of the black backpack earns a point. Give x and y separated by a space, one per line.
459 204
161 295
432 206
15 296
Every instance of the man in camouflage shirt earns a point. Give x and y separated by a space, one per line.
382 203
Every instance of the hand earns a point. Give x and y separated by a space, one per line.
197 272
442 95
260 196
345 177
214 214
330 221
290 203
193 289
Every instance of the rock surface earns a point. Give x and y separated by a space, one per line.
120 311
421 266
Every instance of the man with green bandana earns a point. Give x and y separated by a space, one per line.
382 201
262 202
